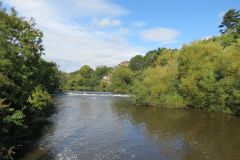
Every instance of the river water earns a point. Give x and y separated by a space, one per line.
108 127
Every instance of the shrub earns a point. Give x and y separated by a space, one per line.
40 102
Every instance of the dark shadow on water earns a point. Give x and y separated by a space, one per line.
30 142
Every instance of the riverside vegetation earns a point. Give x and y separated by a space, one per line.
204 74
26 81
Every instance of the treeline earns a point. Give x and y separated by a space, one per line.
204 74
88 79
103 78
26 81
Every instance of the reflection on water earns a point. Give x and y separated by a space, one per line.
107 127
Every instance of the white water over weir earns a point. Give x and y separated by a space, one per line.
105 94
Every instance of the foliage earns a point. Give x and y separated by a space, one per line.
197 74
121 79
151 57
228 77
208 74
159 85
49 76
87 79
21 70
203 74
40 102
230 27
86 71
12 123
231 21
137 63
102 71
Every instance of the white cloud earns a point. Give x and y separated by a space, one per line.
107 22
66 39
162 35
93 7
139 24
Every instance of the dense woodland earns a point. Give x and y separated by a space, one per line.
204 74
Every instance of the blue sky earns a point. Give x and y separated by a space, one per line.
106 32
193 19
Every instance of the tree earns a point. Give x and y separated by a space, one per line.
21 70
159 85
40 101
230 28
121 79
150 58
137 63
228 71
48 72
102 71
197 74
231 21
20 51
86 71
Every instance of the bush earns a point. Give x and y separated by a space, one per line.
140 94
40 102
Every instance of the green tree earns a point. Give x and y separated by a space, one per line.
75 81
230 27
21 70
228 71
231 21
197 74
48 72
86 79
102 71
86 71
151 57
159 85
137 63
121 79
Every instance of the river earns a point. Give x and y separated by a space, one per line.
107 127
